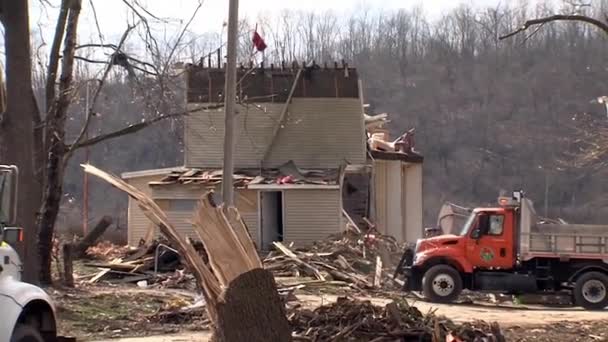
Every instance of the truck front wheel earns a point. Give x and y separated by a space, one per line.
591 291
26 333
441 284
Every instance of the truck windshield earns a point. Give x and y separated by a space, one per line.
467 225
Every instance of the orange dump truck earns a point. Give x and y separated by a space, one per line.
506 249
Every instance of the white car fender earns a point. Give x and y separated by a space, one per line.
15 296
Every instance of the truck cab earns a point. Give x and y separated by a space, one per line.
502 249
28 314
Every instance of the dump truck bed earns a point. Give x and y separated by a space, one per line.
560 240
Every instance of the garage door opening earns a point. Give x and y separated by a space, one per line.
271 203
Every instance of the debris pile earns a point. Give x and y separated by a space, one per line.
288 173
155 263
349 259
106 250
354 320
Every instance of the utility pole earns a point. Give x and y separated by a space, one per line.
229 104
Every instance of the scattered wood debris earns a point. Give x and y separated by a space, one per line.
354 320
349 259
287 173
241 297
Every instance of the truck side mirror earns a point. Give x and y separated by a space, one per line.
476 233
8 194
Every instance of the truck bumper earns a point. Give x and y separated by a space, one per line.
411 276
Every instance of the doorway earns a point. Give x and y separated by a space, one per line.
271 217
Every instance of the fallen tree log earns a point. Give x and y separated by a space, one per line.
79 250
242 298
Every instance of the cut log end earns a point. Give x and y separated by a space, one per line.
251 299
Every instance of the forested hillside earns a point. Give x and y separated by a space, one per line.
489 114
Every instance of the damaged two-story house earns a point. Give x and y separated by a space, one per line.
301 156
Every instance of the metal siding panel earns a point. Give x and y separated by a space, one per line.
311 215
394 190
308 137
413 201
204 135
380 167
137 222
321 133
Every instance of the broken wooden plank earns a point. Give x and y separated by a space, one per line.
378 273
99 275
351 222
281 247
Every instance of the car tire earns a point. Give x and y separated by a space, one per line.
441 284
26 333
591 291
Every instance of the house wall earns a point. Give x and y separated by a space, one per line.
318 133
181 215
311 215
412 178
138 223
398 199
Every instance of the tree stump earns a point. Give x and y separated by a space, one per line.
251 310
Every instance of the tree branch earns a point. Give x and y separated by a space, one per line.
558 17
54 55
89 110
137 127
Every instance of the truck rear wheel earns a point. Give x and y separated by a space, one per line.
591 291
26 333
441 284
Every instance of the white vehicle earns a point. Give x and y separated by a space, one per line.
27 314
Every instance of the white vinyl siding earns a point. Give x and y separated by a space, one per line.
311 215
317 133
138 223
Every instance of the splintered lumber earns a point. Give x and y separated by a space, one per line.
241 297
154 213
378 274
350 221
281 247
249 308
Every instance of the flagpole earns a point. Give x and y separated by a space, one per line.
229 104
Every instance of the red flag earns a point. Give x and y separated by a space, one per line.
258 41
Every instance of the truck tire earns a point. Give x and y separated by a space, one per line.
26 333
441 284
591 291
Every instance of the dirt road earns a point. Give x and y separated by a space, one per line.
506 315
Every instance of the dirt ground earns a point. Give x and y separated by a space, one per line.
118 314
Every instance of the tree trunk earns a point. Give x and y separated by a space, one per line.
17 125
241 297
55 166
252 310
68 265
